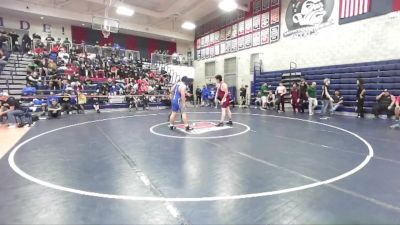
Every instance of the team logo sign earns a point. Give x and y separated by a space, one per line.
202 128
306 17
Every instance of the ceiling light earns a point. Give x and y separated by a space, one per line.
188 25
228 5
41 17
122 10
83 24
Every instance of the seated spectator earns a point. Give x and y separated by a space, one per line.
32 79
54 109
337 101
81 103
55 82
271 100
385 104
48 102
96 103
9 107
258 102
66 101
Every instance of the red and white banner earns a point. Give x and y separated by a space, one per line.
350 8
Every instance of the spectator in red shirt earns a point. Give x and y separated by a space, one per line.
397 108
295 98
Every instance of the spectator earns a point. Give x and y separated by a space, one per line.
337 101
96 104
46 104
360 98
280 97
397 109
312 98
271 100
55 82
32 79
211 98
303 95
81 103
54 109
385 104
66 100
326 100
9 107
243 95
3 61
295 98
258 101
204 95
264 93
198 95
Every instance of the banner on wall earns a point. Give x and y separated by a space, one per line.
248 26
304 18
256 38
264 36
264 20
355 10
241 30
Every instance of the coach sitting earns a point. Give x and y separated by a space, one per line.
385 104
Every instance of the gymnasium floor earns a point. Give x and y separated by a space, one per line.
269 168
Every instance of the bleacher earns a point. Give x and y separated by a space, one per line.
377 76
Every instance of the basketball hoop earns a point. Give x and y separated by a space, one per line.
105 33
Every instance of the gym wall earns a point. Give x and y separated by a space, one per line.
372 39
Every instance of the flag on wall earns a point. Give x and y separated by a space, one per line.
350 8
354 10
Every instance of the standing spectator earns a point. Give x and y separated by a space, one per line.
264 93
326 100
337 101
360 98
198 95
385 103
312 98
54 109
303 95
211 98
204 95
280 97
295 98
243 95
397 109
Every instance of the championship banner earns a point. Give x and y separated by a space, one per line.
241 43
241 28
256 22
234 30
265 20
247 41
274 34
248 26
234 45
256 38
216 49
265 36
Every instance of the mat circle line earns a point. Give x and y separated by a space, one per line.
11 160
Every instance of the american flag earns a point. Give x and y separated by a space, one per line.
350 8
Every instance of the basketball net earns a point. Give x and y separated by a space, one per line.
105 33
